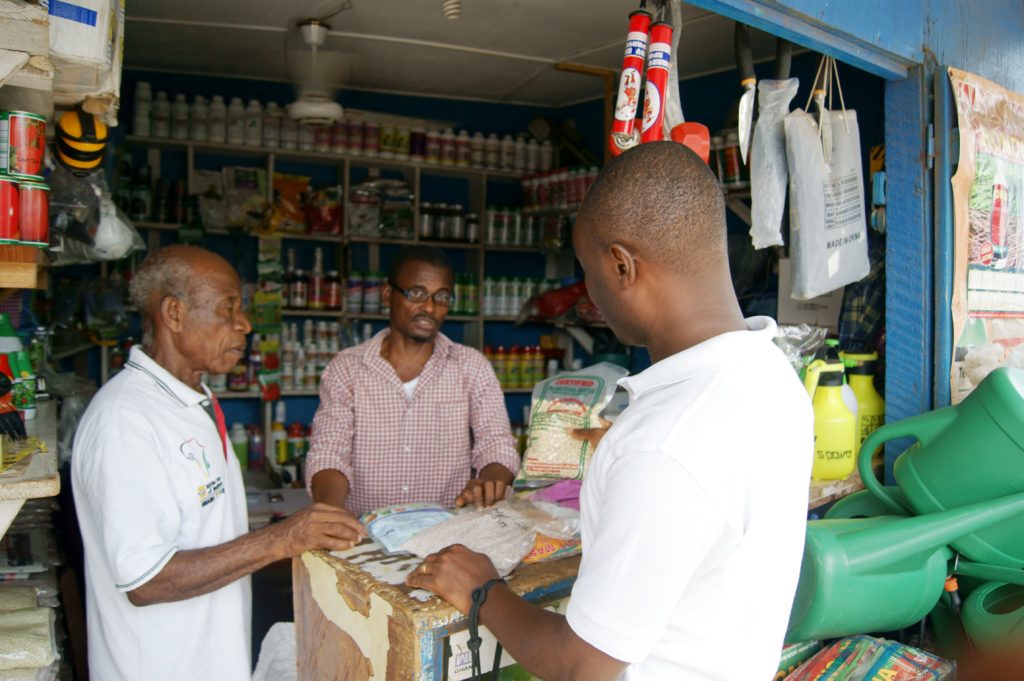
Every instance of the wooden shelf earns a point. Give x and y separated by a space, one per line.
22 266
36 476
224 231
321 157
826 491
331 314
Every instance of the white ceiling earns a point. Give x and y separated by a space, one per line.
497 50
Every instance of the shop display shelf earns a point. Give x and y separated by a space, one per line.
518 249
330 314
517 391
36 476
255 396
552 212
449 244
224 231
320 157
371 316
22 266
514 319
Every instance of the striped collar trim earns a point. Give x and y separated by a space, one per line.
184 395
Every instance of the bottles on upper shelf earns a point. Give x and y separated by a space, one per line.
561 189
374 135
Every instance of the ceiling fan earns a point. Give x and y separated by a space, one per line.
317 74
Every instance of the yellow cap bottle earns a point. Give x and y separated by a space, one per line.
860 372
835 426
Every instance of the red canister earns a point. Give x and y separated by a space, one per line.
35 211
22 142
9 208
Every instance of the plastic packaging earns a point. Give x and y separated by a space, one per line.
560 405
393 526
505 532
769 171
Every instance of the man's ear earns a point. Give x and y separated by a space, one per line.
625 264
172 313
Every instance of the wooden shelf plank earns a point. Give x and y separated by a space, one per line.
36 476
22 266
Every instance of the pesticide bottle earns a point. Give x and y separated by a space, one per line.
860 373
835 425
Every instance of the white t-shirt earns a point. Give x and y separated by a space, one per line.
410 387
693 514
150 478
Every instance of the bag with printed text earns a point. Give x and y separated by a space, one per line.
561 404
828 228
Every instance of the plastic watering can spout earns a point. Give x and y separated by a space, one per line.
880 546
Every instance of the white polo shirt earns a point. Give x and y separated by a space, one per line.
150 478
693 514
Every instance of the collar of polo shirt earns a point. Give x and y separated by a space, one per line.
140 361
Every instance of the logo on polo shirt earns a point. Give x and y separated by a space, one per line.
194 451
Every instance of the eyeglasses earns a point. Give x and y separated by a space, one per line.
419 295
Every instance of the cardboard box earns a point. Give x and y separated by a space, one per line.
821 311
82 31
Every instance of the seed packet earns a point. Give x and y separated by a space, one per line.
392 526
561 404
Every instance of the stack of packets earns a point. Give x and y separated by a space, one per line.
863 658
512 532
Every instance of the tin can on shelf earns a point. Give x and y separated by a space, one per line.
35 211
9 208
22 142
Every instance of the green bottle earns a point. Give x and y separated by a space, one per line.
28 383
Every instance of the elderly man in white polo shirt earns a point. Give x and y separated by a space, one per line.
159 491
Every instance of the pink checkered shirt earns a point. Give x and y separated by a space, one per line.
394 450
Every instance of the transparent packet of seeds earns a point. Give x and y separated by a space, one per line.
561 404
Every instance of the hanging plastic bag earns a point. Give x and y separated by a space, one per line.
828 228
769 171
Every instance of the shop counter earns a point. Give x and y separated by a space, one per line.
356 620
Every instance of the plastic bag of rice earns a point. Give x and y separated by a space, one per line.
561 404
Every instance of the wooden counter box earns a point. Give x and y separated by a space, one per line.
355 619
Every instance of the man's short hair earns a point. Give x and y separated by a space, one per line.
165 272
428 255
661 199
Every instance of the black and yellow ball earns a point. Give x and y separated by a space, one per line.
80 141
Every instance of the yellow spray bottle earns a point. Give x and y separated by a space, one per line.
860 372
835 431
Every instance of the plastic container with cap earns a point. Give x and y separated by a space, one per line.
860 374
240 443
835 425
9 341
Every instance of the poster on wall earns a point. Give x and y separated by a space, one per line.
988 205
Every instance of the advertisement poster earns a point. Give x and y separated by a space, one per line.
988 190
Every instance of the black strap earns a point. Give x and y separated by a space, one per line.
479 596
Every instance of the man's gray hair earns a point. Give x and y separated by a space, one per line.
165 272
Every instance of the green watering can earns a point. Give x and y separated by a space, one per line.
964 454
884 573
961 485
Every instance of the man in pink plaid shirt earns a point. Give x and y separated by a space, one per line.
409 415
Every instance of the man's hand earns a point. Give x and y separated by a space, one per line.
320 526
591 435
483 493
452 574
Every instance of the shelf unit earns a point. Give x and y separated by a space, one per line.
473 256
36 476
